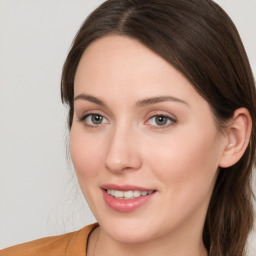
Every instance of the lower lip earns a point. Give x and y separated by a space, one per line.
126 205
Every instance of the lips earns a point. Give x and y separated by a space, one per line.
126 198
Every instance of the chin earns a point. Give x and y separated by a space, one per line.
129 230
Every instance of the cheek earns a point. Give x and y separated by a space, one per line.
186 161
186 167
85 153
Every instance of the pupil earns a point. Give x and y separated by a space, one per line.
161 120
96 119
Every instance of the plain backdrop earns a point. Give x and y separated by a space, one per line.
39 195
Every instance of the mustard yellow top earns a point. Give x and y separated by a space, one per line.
70 244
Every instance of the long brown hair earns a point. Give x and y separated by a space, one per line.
199 39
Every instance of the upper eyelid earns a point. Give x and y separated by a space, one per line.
174 120
88 124
92 112
160 113
81 109
148 103
85 115
164 115
147 116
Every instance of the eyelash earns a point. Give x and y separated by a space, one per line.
170 120
83 119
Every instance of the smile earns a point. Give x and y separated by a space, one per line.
130 194
126 198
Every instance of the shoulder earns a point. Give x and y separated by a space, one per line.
73 243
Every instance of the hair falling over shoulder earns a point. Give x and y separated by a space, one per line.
200 40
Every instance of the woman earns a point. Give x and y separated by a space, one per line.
162 110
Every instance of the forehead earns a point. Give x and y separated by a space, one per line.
119 56
121 70
122 62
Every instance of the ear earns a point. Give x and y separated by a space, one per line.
238 135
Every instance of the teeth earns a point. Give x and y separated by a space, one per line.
130 194
118 194
136 193
144 193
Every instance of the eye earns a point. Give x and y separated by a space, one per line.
93 120
161 120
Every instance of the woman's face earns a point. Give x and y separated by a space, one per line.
143 134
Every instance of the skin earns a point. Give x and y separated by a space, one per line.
179 159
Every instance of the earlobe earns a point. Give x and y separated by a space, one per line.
238 133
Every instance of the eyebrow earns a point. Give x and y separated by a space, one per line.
159 99
141 103
89 98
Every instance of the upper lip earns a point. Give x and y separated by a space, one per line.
124 187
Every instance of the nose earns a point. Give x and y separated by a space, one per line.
122 151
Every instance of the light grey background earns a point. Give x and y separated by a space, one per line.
39 195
